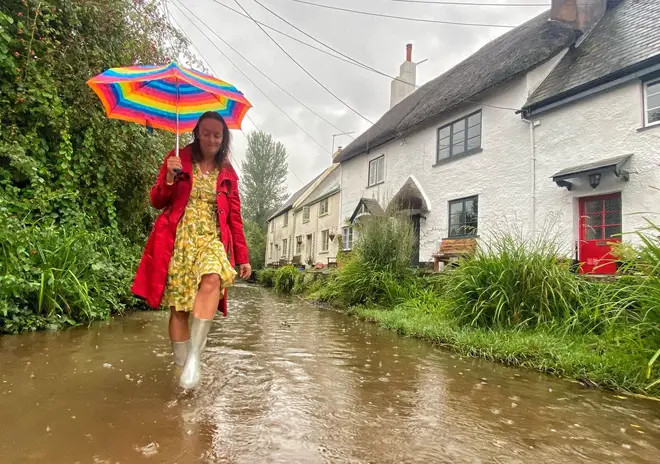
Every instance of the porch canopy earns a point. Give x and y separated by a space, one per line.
366 207
596 168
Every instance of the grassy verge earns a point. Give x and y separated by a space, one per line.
590 359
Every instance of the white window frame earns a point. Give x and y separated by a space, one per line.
286 220
646 99
347 238
299 245
285 248
305 214
325 240
378 176
324 207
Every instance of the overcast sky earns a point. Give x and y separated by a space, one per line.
377 42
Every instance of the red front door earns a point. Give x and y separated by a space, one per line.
600 225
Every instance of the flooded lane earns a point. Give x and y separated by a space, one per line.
284 382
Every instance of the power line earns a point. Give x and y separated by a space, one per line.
401 18
259 70
436 2
356 61
257 87
252 82
303 68
352 60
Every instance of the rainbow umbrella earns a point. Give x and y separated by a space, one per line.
169 97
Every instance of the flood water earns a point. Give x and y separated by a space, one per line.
285 382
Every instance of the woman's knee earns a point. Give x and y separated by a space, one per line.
210 283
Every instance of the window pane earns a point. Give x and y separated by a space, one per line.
444 132
653 101
474 131
594 233
455 208
381 170
444 153
474 119
613 204
612 231
458 149
594 206
654 88
444 142
474 142
595 220
612 218
459 137
654 115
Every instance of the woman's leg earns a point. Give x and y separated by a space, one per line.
179 335
179 329
204 308
208 297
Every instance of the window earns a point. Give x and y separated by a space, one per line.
652 103
298 244
461 137
270 252
324 207
286 220
285 249
377 171
463 216
347 238
325 241
305 213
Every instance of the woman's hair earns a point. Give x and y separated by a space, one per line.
221 157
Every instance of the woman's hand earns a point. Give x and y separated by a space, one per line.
245 271
173 163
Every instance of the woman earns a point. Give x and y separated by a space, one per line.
196 241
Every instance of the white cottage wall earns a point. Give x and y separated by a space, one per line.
499 174
602 126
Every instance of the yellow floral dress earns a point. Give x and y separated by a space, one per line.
198 249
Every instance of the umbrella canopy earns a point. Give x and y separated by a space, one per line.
169 97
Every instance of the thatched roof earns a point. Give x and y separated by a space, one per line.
499 61
626 36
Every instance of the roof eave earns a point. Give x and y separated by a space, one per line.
606 82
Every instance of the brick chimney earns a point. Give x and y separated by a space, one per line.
581 14
404 85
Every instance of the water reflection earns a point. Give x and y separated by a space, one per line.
286 382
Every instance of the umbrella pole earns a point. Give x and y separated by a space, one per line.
178 171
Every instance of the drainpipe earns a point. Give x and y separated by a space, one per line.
532 218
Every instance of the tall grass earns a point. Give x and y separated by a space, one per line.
52 276
512 281
285 279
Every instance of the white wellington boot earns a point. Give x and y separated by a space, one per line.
191 369
180 352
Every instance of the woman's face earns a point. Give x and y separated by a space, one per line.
210 137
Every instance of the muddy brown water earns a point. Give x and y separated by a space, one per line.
285 382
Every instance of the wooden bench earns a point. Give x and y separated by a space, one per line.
451 249
332 262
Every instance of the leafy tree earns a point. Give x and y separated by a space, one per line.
263 188
74 185
256 239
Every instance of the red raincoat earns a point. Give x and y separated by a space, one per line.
151 276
